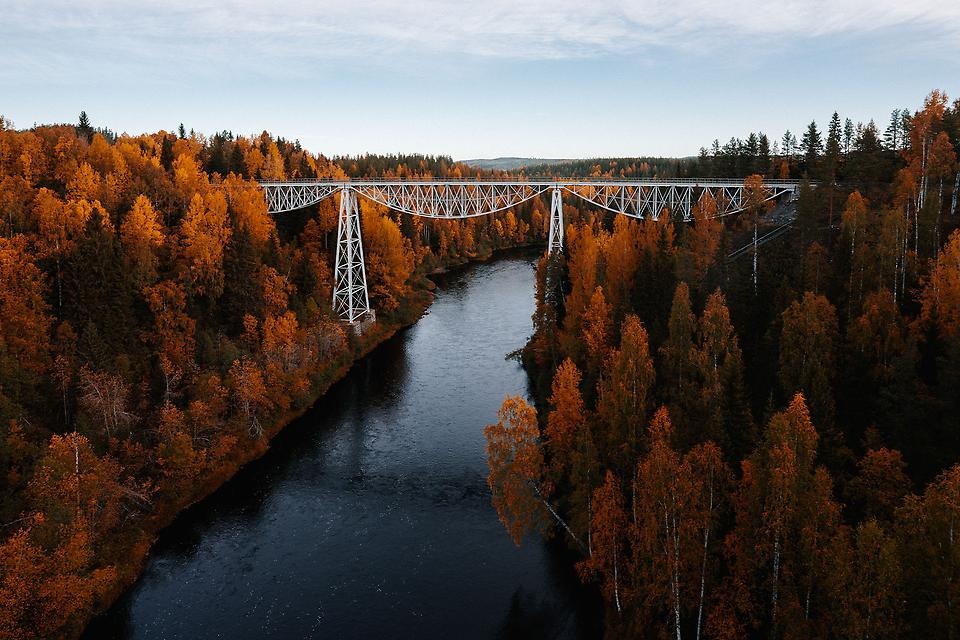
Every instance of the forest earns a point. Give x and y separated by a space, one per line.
740 447
158 326
731 447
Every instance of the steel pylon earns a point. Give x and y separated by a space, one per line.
556 222
350 300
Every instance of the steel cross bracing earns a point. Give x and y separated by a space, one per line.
555 242
282 198
350 299
464 198
460 198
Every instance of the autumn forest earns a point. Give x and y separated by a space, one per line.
727 439
736 448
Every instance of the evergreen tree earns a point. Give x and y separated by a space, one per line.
832 152
763 165
166 153
891 137
812 146
807 216
788 146
84 129
218 158
237 164
848 134
242 293
98 294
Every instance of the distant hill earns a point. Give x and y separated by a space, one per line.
510 164
635 167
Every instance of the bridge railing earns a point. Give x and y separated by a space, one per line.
533 180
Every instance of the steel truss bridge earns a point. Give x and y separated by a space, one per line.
448 199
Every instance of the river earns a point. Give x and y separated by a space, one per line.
370 516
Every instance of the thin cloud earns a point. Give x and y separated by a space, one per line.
498 29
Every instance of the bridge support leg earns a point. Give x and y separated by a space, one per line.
556 222
350 299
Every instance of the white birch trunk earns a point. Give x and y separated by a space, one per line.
956 192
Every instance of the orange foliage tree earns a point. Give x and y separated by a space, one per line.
516 466
940 296
566 418
624 392
389 259
141 234
204 233
608 524
173 331
24 316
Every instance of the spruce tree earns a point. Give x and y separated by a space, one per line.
241 285
166 153
812 146
848 134
84 129
99 294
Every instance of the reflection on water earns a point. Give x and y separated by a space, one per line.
370 516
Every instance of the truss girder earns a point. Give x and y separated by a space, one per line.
459 198
450 200
283 197
651 201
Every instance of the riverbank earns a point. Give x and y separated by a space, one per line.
133 555
370 516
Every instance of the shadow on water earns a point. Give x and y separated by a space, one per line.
370 515
241 500
533 617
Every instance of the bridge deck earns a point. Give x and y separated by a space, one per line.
471 197
534 181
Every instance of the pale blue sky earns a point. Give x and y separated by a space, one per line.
476 79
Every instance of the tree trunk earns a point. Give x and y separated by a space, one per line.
557 517
59 287
616 579
956 192
589 528
703 562
676 576
853 244
936 246
76 457
776 581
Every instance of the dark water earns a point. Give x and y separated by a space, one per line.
370 517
